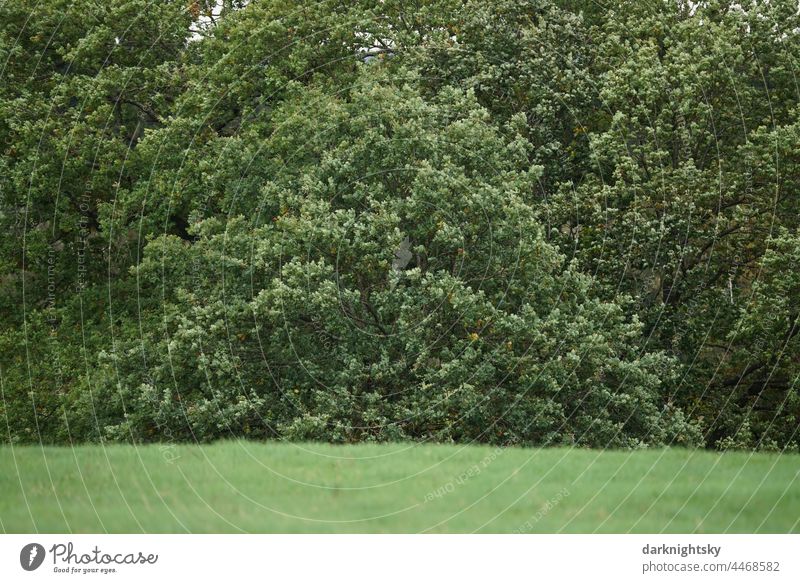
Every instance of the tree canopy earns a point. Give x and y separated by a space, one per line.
509 221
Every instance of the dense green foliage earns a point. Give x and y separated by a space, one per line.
530 221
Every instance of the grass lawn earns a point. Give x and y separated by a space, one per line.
244 486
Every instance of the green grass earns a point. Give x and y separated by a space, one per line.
276 487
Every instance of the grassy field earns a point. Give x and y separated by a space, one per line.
274 487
